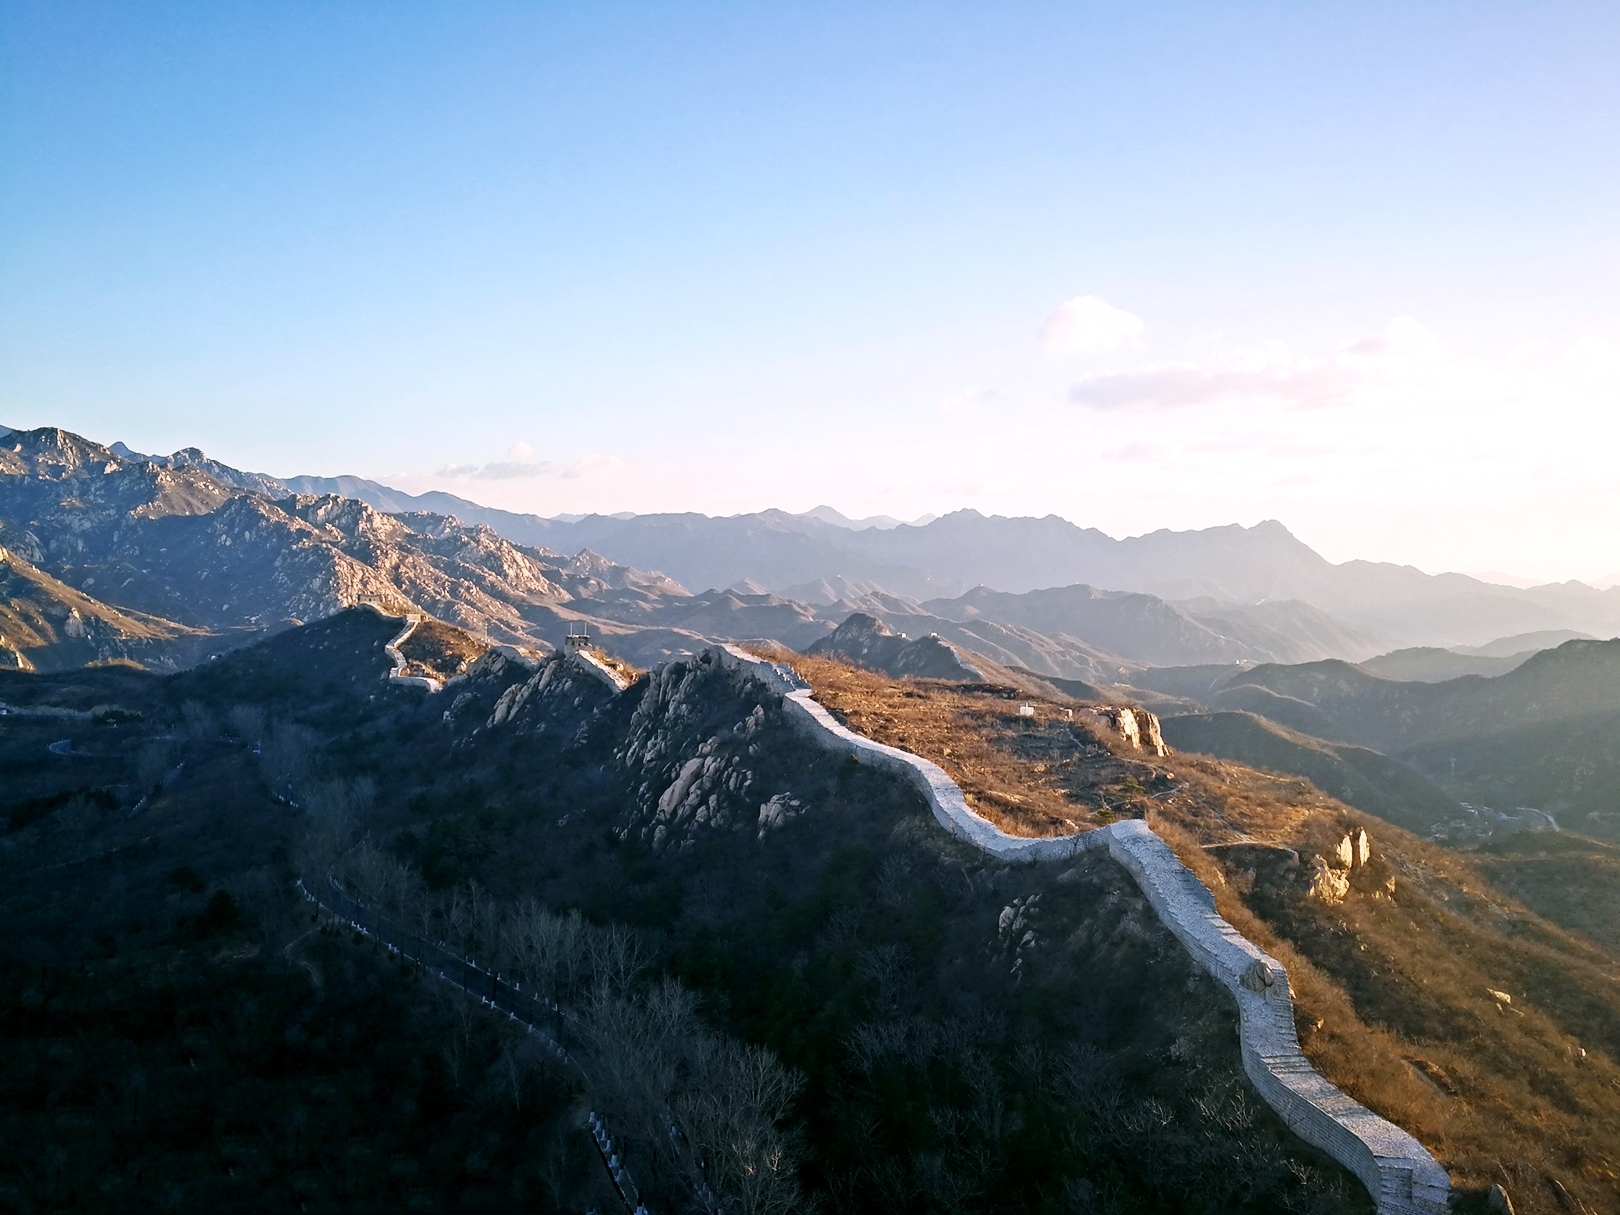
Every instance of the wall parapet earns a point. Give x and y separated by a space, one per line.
589 663
1399 1173
391 648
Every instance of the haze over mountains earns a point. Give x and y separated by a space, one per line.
193 544
946 557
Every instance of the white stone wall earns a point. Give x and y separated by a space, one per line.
1397 1170
594 666
397 675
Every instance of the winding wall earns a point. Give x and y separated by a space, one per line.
1397 1170
397 675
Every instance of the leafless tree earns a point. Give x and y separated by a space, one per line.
246 723
548 952
286 757
331 811
198 723
731 1112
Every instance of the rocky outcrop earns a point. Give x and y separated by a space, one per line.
47 625
1327 884
865 641
172 540
693 758
1135 727
1332 871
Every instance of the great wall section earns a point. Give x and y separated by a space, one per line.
1397 1170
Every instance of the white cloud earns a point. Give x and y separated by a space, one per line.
589 467
1405 349
520 451
501 470
505 470
1089 325
1176 385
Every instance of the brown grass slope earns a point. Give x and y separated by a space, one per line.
439 650
1394 985
53 627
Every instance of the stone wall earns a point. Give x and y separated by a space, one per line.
1399 1173
397 675
588 662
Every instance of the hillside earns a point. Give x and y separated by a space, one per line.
1393 973
1288 591
188 539
947 556
865 641
833 948
1431 664
1361 778
172 540
47 626
766 878
1541 735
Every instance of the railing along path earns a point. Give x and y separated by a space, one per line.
538 1014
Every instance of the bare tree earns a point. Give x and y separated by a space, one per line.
286 757
246 723
198 723
331 810
731 1113
548 952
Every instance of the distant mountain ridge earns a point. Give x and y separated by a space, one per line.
186 539
1545 734
210 554
1383 605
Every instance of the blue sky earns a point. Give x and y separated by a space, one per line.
1351 266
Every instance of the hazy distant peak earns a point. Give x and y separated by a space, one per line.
828 515
1542 639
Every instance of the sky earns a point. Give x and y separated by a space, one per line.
1352 266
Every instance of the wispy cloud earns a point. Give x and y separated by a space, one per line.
1089 325
501 470
583 468
1269 371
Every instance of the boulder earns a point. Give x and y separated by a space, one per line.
1328 884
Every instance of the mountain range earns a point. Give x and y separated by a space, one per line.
964 549
205 555
800 889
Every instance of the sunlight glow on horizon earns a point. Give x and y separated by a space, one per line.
1353 268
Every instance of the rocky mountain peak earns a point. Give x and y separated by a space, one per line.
866 641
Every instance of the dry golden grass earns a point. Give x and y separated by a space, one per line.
440 650
1045 775
1393 990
